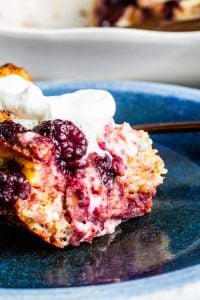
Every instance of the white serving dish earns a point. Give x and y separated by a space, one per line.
105 54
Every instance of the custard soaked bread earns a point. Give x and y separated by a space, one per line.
65 177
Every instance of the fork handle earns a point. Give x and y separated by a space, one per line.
169 127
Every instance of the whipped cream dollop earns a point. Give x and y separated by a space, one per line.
90 110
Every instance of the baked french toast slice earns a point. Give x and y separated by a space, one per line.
54 185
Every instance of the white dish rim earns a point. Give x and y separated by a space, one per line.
97 33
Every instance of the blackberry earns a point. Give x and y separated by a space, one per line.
13 186
9 128
120 2
169 8
109 168
108 12
69 141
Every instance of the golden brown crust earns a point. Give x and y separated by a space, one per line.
9 69
6 70
5 116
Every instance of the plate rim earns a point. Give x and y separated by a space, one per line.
186 282
157 88
97 33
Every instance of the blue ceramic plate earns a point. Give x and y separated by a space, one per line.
152 254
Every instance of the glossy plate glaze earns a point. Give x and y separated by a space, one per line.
150 256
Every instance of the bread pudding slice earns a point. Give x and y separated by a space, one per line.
66 174
147 14
91 197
